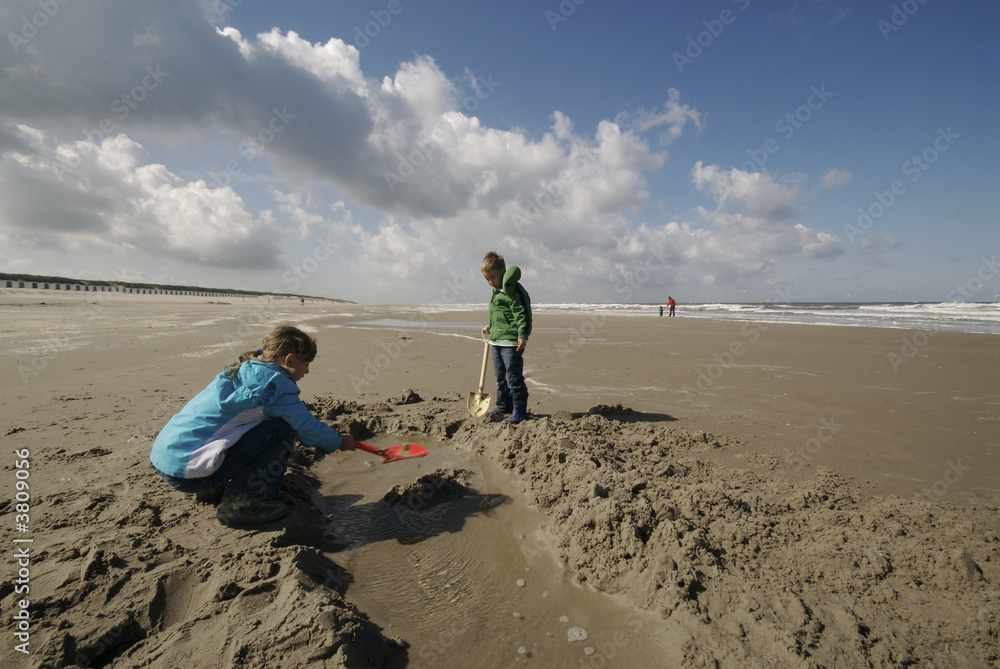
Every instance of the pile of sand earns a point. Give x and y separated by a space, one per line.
745 565
430 489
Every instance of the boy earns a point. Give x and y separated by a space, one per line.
508 329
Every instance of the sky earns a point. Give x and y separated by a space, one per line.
721 151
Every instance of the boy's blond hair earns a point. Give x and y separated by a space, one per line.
493 263
279 342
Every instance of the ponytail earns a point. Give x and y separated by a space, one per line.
280 342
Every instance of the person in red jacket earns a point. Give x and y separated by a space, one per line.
671 303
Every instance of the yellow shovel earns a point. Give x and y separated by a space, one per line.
478 402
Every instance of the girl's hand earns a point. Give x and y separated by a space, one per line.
521 343
347 443
486 330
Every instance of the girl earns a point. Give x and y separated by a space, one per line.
234 438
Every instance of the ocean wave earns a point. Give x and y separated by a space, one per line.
973 317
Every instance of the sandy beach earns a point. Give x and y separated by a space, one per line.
688 493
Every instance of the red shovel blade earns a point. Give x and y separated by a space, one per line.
393 453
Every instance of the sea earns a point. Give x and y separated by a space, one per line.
975 317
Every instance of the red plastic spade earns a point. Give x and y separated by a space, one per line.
393 453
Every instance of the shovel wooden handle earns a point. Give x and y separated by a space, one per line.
482 375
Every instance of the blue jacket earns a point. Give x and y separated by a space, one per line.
193 443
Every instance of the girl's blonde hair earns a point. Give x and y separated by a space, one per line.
279 342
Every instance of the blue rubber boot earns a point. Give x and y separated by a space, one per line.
496 414
520 413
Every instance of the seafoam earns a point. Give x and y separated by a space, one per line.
975 317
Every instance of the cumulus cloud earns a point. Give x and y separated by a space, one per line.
873 245
758 194
674 117
835 178
403 144
563 237
746 232
80 195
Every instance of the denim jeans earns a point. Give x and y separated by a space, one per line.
253 467
508 363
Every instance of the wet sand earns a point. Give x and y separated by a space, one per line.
688 491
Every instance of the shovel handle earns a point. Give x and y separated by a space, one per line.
366 447
486 355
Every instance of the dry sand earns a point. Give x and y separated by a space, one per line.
688 492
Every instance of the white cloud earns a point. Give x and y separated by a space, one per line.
675 116
335 63
755 193
872 245
818 244
835 178
296 207
745 234
81 195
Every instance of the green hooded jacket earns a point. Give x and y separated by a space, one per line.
510 310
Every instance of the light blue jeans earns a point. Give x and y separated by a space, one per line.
254 466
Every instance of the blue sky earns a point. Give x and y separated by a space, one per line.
736 150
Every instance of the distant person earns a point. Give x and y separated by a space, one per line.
231 443
661 311
508 329
302 300
670 303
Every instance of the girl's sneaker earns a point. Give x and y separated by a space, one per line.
240 512
213 496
